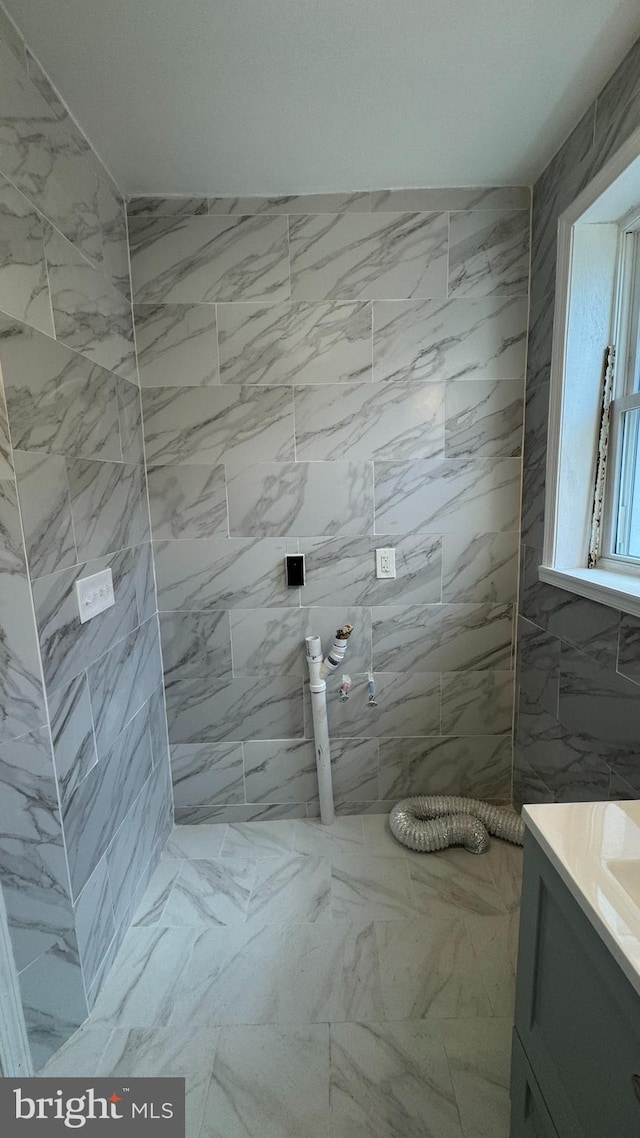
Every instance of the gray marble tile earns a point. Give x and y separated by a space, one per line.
539 664
194 259
122 680
45 506
143 986
495 945
230 976
113 221
207 773
13 41
297 890
272 641
144 581
483 418
434 638
467 197
233 814
58 401
344 837
620 89
406 703
222 573
74 748
158 729
489 253
308 499
209 893
54 1003
248 839
295 343
32 857
130 419
533 504
153 205
68 647
187 501
369 890
535 424
343 571
24 290
82 1053
89 313
505 863
479 1054
293 203
177 344
369 421
478 766
366 257
428 968
629 645
157 892
21 697
472 495
95 926
100 803
6 462
435 340
610 134
195 644
330 973
215 711
480 568
109 506
354 767
217 424
450 883
287 1093
540 342
195 842
283 770
390 1080
595 702
477 703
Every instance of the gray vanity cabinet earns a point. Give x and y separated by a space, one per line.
576 1047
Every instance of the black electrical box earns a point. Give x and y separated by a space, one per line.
294 570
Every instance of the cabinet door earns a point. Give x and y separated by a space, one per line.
577 1015
529 1115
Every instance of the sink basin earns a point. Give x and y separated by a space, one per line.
626 871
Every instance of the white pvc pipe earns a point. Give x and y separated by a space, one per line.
321 728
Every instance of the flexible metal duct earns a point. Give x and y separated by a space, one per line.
434 822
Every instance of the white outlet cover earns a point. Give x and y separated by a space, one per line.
385 562
94 594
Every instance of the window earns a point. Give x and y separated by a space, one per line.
592 536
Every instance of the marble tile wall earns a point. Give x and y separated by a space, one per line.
325 375
85 795
578 714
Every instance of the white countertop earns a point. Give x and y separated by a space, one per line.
595 847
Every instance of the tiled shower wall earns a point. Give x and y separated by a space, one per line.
85 796
326 375
578 666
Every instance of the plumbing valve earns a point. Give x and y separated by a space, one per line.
372 691
345 688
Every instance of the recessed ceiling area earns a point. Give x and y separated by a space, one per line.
233 97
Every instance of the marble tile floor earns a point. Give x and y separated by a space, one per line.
313 982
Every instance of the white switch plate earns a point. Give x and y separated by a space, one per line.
385 562
95 594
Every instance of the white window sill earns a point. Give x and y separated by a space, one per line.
606 586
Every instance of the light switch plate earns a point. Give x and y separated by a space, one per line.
385 563
95 594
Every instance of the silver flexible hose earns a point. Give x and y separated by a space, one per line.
434 822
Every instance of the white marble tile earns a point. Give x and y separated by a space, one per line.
305 499
295 343
428 968
143 985
207 773
282 770
108 505
478 766
505 862
258 839
217 424
194 259
46 511
80 1055
483 418
453 198
406 702
156 205
176 344
209 893
330 973
187 501
157 892
480 567
455 495
390 1080
366 257
272 641
477 703
24 290
479 1054
344 837
369 420
230 977
293 203
269 1082
195 644
434 638
378 890
210 710
495 942
223 573
195 842
489 253
453 882
74 747
292 889
436 340
342 571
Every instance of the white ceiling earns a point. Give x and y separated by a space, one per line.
295 96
